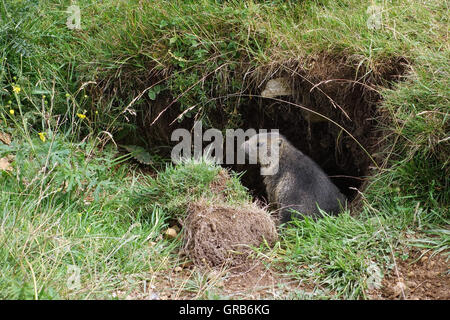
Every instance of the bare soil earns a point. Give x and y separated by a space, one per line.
254 280
420 277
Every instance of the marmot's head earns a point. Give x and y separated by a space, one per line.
264 148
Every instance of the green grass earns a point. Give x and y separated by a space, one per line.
339 254
177 186
69 204
61 208
70 200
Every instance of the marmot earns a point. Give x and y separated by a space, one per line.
296 181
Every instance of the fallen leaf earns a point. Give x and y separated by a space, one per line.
5 138
5 165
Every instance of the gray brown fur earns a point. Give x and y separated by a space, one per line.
299 184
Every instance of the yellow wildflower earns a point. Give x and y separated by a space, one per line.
11 111
42 136
81 116
16 89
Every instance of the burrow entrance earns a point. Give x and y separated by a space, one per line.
346 159
337 153
332 87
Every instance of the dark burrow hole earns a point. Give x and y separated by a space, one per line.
345 158
334 94
339 155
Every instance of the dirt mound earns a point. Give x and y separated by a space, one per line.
218 234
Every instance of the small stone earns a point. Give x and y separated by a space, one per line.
154 296
170 233
277 87
178 269
399 288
